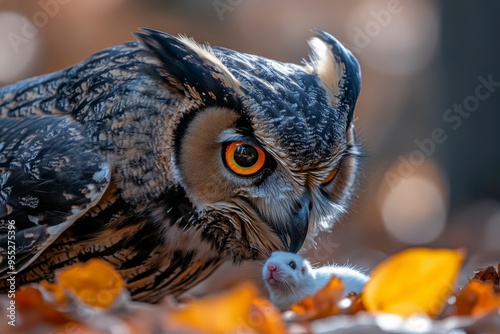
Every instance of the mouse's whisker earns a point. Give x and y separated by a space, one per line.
289 287
260 262
255 276
262 254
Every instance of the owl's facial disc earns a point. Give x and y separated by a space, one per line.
225 170
239 113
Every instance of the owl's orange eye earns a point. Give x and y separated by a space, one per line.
332 175
244 159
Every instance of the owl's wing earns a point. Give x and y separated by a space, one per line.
50 175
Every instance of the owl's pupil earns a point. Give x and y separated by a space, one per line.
246 155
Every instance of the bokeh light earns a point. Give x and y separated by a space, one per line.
414 210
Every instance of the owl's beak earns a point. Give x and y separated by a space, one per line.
294 232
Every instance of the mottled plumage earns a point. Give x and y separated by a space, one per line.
166 158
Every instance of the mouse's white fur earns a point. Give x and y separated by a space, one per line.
288 285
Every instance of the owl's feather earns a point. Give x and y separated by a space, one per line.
49 177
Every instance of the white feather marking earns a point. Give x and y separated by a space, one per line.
205 52
229 135
33 219
103 174
330 71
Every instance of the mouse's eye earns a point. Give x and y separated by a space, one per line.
292 264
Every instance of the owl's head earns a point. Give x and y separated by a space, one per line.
264 150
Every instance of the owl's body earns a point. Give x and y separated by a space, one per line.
166 159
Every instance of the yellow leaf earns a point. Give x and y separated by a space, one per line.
95 282
235 311
415 281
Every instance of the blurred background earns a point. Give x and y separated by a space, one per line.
427 114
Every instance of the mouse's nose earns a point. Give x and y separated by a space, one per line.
272 267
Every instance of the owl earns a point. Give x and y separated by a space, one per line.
166 158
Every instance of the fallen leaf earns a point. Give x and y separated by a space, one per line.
322 304
264 317
415 281
477 298
30 304
356 304
95 282
488 273
36 315
234 311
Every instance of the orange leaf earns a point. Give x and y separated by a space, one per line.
34 312
32 308
415 281
322 304
265 318
477 298
234 311
356 304
95 282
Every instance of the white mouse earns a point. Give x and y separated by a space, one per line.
290 278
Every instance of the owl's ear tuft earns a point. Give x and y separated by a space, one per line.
337 69
190 68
